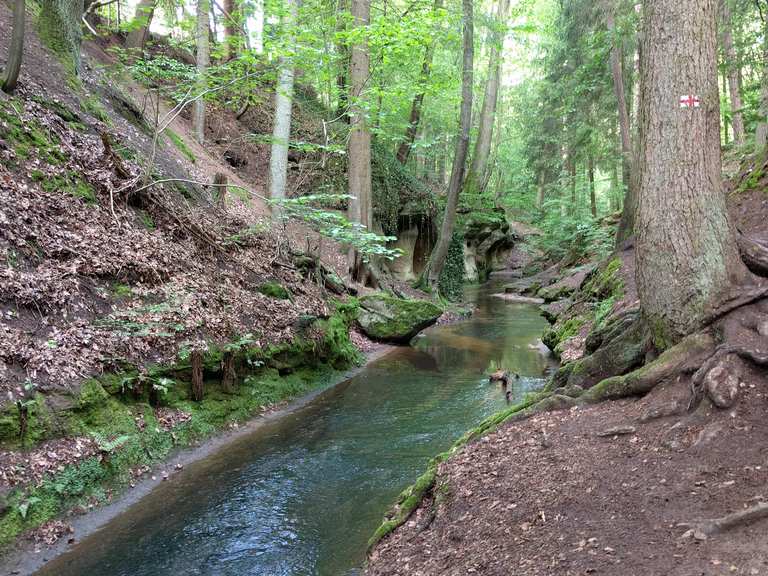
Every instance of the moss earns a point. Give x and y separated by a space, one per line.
274 290
410 498
60 29
451 281
71 183
180 145
560 332
28 139
386 317
120 290
40 423
95 108
606 282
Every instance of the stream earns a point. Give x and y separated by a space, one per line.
302 494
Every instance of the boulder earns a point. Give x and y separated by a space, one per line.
570 283
389 319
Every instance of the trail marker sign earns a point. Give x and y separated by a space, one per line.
690 101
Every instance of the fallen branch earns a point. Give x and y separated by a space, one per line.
703 528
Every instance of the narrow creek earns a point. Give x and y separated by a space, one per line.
301 495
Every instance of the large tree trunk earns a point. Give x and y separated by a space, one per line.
359 169
627 223
203 61
281 128
11 73
732 67
60 27
687 257
404 150
437 259
476 177
142 20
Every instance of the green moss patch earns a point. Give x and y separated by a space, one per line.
274 290
387 318
180 145
28 139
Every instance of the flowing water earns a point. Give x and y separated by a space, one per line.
301 495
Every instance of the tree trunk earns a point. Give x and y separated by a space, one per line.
724 94
571 165
142 20
231 28
627 223
476 177
197 374
687 257
16 51
281 128
437 259
404 150
60 28
540 192
732 67
228 372
359 156
258 26
203 60
761 132
342 53
220 190
591 177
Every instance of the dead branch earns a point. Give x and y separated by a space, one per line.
729 521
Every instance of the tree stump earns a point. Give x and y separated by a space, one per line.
220 182
197 376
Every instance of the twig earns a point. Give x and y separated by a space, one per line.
716 525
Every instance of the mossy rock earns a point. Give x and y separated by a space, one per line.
274 290
388 319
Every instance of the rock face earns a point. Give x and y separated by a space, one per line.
389 319
488 241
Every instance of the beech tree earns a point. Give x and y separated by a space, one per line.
476 177
687 257
281 127
139 31
60 27
203 61
359 157
11 73
431 273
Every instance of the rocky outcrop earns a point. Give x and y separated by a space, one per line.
488 241
388 319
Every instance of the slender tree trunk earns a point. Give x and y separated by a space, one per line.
591 177
614 201
359 156
231 28
258 26
342 54
732 67
16 52
142 20
627 223
281 128
686 254
437 258
540 192
228 373
203 61
197 373
724 94
476 177
761 132
571 166
404 150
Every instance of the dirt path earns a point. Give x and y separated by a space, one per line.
552 496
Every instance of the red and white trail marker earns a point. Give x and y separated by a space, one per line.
690 101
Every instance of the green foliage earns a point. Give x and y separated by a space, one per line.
451 281
274 290
28 139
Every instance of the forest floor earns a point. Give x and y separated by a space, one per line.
602 489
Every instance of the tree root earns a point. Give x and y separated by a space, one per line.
754 254
701 529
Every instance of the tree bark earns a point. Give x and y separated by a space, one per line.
404 150
203 61
359 157
591 177
540 192
231 28
761 132
437 259
476 177
258 26
228 372
627 223
342 53
60 28
687 257
142 20
281 128
197 375
16 52
732 69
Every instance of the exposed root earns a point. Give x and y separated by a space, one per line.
703 528
754 254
